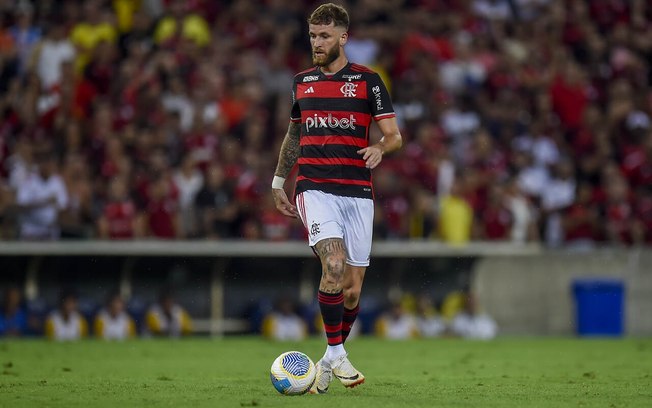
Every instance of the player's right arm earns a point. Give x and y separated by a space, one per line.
287 158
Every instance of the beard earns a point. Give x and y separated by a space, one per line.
326 60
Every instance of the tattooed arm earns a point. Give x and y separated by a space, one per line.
287 158
289 151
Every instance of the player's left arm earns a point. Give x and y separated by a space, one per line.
380 106
390 142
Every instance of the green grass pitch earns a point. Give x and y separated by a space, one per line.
234 372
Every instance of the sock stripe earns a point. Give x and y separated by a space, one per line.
330 299
328 328
351 312
332 311
348 318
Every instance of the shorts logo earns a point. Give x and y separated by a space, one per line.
314 228
349 89
310 78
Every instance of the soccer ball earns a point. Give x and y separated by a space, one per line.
293 373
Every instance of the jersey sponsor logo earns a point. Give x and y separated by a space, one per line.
329 122
309 90
350 77
349 89
379 103
314 228
310 78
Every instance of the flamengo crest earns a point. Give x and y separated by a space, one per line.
349 89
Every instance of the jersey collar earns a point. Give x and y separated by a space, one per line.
336 76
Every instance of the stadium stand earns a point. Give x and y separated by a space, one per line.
530 120
536 113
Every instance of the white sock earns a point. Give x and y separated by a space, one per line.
333 352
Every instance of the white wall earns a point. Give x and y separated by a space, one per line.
533 294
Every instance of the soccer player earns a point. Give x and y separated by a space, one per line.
328 137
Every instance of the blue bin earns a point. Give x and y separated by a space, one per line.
599 307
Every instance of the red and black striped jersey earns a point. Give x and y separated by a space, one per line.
335 112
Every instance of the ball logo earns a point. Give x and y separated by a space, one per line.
349 89
329 122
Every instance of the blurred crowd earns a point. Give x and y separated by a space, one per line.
523 120
75 318
455 315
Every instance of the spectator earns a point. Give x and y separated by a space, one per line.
462 73
455 216
556 198
6 201
422 214
66 323
180 24
20 165
216 205
162 211
470 323
13 316
622 227
284 323
493 9
95 28
459 122
25 34
167 318
396 323
581 220
113 322
76 220
190 182
51 53
40 199
429 323
496 219
274 225
120 218
524 226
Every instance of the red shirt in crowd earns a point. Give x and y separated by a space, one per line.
496 223
569 102
162 215
120 217
581 226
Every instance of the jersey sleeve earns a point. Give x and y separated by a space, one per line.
380 102
295 114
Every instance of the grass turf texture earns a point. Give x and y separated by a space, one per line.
234 372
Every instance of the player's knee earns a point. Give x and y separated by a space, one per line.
352 295
334 268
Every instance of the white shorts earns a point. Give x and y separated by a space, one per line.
330 216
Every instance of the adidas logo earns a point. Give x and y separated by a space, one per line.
309 90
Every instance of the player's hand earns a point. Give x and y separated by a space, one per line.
372 155
283 204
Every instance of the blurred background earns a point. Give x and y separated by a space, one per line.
138 140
